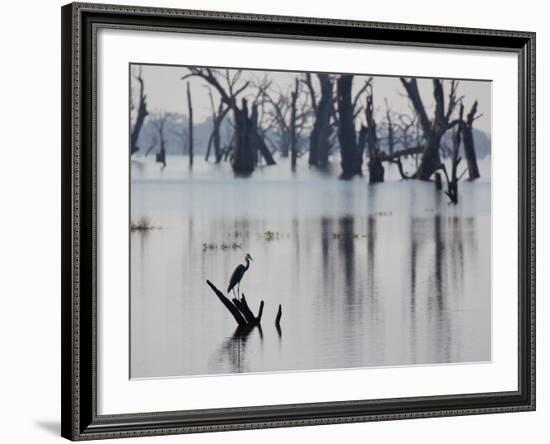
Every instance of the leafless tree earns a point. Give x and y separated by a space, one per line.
141 113
376 170
434 128
246 140
466 127
159 120
218 114
293 149
323 108
190 129
453 178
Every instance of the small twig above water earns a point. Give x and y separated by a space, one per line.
223 246
143 224
273 235
344 236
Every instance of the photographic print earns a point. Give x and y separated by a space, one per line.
300 221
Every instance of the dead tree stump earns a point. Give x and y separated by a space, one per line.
239 308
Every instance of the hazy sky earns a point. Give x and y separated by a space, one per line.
167 92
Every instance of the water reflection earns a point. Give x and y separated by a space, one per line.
233 349
367 276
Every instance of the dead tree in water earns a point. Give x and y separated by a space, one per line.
466 127
376 170
284 116
408 133
452 180
435 128
217 119
159 123
293 148
239 309
346 127
319 139
390 129
247 141
351 144
190 119
141 115
278 109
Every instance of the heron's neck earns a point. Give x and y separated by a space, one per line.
247 263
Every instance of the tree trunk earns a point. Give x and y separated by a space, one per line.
293 150
361 143
346 127
243 155
452 182
430 160
141 115
253 130
433 130
319 140
285 142
376 169
391 137
161 155
468 141
217 119
190 106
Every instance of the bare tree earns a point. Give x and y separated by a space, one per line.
285 116
293 150
390 128
159 120
452 180
190 122
218 114
346 126
319 139
141 114
376 170
466 127
433 129
246 140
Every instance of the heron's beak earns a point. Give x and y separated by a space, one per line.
251 258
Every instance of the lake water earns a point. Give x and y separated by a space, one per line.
380 275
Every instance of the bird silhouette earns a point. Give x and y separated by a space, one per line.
238 274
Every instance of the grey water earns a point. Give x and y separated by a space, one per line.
381 275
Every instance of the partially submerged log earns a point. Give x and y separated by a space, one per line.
239 308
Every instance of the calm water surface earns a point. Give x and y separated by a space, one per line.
380 275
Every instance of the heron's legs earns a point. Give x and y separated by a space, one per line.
239 289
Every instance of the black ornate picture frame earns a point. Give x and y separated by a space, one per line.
80 418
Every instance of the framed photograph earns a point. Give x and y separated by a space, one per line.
282 221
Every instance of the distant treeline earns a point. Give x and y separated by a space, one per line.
176 142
